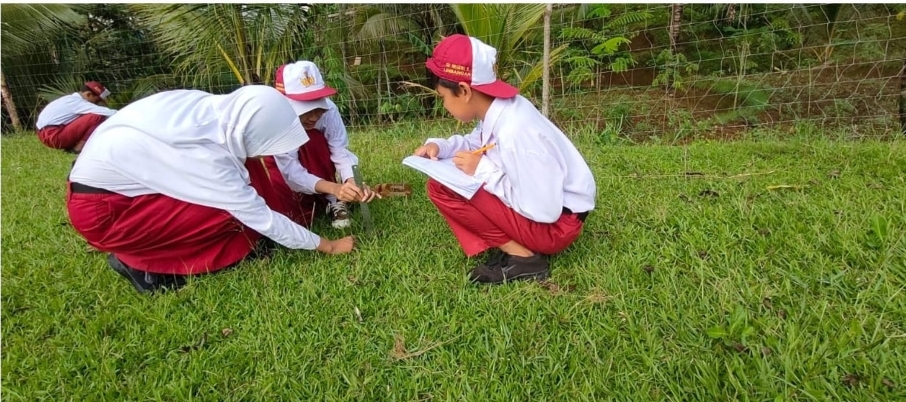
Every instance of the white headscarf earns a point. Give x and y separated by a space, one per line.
252 121
256 120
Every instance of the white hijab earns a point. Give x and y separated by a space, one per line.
252 121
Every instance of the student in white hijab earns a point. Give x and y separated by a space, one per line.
173 185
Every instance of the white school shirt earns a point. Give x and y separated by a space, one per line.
331 124
534 168
68 108
125 160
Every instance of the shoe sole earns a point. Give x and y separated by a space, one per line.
343 224
172 285
120 269
538 276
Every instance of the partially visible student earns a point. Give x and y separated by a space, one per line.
172 185
68 121
301 191
312 171
537 188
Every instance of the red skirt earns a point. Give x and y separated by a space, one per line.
69 135
163 235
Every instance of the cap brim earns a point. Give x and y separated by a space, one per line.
302 107
307 96
497 89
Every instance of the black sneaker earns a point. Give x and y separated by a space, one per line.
506 268
145 282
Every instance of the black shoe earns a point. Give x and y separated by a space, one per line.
495 258
507 268
145 282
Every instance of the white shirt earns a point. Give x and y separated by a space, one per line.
331 124
190 145
534 168
67 108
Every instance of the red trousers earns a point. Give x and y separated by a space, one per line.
160 234
485 222
315 158
69 135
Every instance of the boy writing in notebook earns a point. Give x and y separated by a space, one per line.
537 187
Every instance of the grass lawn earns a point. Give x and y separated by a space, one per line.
695 279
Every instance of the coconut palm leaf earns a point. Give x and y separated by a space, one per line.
27 26
207 40
511 29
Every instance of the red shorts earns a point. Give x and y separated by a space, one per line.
485 222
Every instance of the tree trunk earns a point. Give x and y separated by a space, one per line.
674 28
8 103
731 14
546 73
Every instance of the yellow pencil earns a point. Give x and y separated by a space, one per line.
484 148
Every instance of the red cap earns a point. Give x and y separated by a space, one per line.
461 58
98 89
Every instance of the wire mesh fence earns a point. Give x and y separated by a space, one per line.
635 72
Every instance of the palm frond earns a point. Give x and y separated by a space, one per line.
208 40
573 33
26 26
534 73
385 25
627 19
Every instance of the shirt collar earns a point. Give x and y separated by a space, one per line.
493 115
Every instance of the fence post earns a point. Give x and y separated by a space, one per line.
546 72
903 98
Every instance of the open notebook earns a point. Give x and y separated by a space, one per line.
444 171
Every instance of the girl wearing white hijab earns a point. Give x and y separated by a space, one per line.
172 184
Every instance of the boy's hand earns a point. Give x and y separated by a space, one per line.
466 161
349 192
339 246
429 150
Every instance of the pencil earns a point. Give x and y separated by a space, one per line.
484 148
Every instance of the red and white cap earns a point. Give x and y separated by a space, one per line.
461 58
303 84
98 89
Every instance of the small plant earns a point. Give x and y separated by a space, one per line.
608 50
673 69
878 232
735 333
749 99
400 107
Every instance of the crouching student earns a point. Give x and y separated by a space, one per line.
312 170
68 121
301 191
172 185
537 188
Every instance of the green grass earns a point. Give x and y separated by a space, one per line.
682 287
